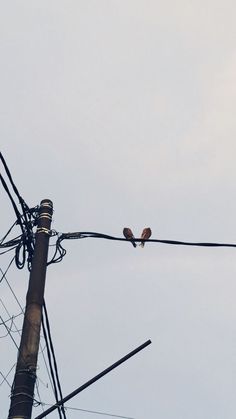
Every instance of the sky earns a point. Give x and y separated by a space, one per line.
122 113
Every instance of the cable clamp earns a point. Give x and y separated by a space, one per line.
46 203
43 230
29 370
22 394
45 215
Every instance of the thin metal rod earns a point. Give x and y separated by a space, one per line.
94 379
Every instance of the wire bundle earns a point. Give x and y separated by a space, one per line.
26 219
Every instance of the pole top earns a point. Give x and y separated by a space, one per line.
46 202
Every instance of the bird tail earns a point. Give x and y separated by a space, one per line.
134 244
142 244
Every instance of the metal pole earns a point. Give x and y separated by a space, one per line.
22 396
94 379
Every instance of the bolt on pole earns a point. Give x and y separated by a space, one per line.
22 396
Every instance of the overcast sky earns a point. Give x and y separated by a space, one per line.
123 114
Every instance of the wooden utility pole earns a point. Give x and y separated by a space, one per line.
22 396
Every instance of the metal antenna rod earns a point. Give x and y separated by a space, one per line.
94 379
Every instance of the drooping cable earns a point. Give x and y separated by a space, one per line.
89 234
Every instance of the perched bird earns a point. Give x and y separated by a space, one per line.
129 235
147 232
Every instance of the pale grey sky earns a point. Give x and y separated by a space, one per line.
122 113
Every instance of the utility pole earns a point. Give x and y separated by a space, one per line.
22 396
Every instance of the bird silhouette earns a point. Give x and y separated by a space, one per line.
147 232
129 235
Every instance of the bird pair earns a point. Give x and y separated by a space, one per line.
144 236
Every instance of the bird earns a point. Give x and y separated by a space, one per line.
129 235
146 233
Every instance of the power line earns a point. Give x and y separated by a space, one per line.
8 329
94 235
9 333
26 220
5 376
50 348
18 216
50 351
11 318
39 397
8 232
19 244
8 267
8 250
93 411
11 289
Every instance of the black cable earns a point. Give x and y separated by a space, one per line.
24 206
86 234
59 253
8 250
9 176
11 242
26 221
20 255
54 357
8 232
50 366
51 352
24 248
96 378
18 216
